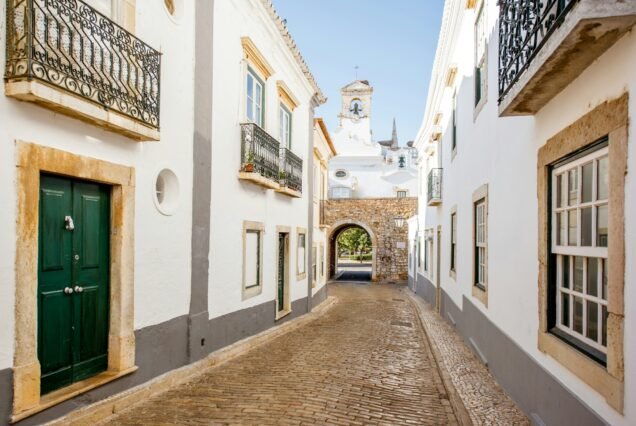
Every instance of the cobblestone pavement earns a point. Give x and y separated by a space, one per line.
365 362
484 399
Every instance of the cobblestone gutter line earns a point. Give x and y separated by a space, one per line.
484 399
99 412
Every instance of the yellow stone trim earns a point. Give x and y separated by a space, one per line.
301 275
286 95
608 119
247 293
256 58
55 99
31 161
471 4
128 14
450 76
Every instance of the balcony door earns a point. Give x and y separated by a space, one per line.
73 280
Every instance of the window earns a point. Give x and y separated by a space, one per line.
480 244
453 253
454 124
284 118
255 98
419 254
314 255
340 192
341 174
300 254
427 253
579 209
480 55
323 256
106 7
252 258
402 194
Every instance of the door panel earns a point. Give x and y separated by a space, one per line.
73 281
281 271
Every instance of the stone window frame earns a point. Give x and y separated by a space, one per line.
250 226
454 126
477 292
254 62
323 259
301 275
609 119
314 264
481 12
32 161
452 263
287 309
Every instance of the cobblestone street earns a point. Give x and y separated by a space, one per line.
366 361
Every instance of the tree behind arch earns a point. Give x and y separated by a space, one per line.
354 240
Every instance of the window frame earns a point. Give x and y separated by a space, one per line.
481 61
401 193
561 248
285 135
453 243
250 102
480 288
301 236
314 262
258 228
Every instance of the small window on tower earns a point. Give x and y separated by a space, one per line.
341 174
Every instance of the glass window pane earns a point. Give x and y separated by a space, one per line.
586 227
565 272
592 320
559 192
578 315
572 187
603 179
601 226
588 182
604 331
604 266
578 274
560 234
252 242
592 276
565 309
572 227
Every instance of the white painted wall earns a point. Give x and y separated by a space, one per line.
502 152
162 243
234 201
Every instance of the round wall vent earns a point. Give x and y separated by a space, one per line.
166 193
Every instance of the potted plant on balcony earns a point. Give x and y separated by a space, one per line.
248 166
281 176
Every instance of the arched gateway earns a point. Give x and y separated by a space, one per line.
335 231
377 217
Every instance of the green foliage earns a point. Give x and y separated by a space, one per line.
354 240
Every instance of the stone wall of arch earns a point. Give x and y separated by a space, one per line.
376 216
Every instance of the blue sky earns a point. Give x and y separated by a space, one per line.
392 41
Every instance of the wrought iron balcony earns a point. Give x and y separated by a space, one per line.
434 194
291 170
260 154
69 46
545 44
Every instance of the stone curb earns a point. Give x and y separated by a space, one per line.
101 411
463 417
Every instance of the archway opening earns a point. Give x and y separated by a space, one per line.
351 254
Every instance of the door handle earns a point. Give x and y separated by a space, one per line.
68 290
78 289
69 223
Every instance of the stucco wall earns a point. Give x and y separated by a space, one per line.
162 246
502 152
233 200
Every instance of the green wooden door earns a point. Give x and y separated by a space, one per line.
73 280
282 240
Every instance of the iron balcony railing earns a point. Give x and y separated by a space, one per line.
260 152
434 195
291 170
524 27
71 46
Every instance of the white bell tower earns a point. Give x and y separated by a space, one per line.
356 102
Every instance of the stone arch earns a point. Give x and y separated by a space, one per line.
335 230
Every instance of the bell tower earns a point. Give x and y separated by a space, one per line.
356 102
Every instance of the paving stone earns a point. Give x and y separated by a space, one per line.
349 367
485 400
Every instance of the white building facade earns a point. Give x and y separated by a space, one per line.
364 167
526 222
